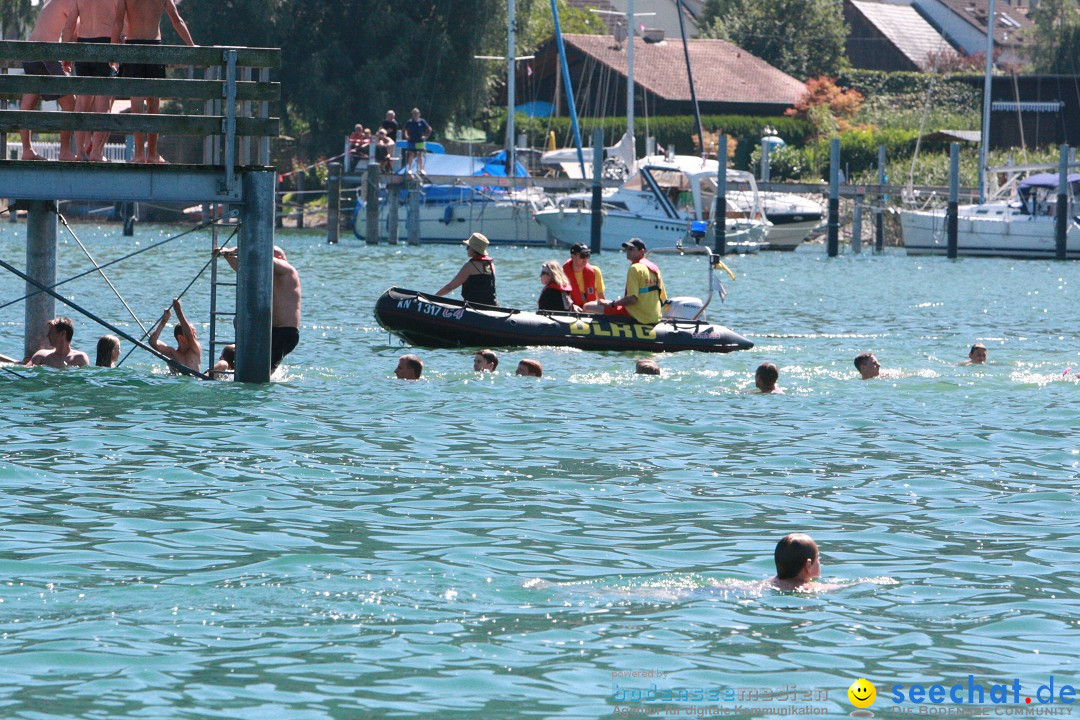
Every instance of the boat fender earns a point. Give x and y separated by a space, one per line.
448 215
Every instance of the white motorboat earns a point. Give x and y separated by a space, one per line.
792 217
1018 221
658 204
449 213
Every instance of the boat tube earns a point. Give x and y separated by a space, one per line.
437 322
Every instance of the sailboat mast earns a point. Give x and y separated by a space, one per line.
690 78
984 140
511 83
630 72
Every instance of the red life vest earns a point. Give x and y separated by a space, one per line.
581 296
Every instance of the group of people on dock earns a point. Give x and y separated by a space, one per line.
575 285
132 22
187 355
384 140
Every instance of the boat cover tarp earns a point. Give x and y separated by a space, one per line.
1045 180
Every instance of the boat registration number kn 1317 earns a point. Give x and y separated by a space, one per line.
615 330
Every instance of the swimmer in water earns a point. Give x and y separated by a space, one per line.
977 355
798 564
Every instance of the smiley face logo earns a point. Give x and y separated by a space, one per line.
862 693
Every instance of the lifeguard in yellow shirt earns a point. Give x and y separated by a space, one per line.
645 292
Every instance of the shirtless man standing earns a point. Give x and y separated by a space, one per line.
188 351
144 28
60 331
95 20
50 26
285 321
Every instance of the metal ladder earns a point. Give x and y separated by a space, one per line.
215 284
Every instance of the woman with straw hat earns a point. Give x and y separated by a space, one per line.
476 278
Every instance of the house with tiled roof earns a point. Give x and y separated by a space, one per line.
728 80
964 22
891 36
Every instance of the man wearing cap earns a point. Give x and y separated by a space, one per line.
644 287
476 278
586 282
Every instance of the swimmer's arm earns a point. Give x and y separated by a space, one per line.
80 359
185 326
230 256
153 339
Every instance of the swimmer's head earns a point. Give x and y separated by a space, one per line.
766 376
977 354
793 554
279 253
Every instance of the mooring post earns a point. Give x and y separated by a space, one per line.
255 278
597 190
412 220
834 198
952 210
393 204
371 237
41 266
879 212
1061 224
300 198
856 223
720 214
333 203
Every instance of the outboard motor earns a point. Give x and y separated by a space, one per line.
684 308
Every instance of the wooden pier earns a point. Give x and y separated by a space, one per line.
236 126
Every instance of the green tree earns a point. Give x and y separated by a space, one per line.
804 38
1057 36
16 19
345 62
537 25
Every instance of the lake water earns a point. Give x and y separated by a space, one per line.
339 544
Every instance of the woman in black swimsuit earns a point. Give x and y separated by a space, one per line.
476 278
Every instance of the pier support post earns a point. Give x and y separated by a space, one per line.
597 190
393 206
412 222
333 203
1061 224
856 223
952 211
834 198
720 213
879 213
300 198
371 236
41 266
255 278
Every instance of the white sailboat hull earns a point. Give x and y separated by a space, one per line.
1005 234
503 223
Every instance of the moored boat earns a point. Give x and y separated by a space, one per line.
439 322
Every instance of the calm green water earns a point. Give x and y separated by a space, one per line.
343 545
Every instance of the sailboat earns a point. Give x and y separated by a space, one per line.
449 213
664 195
1018 220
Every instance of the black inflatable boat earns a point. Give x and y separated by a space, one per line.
438 322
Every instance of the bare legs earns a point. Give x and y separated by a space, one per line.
30 102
